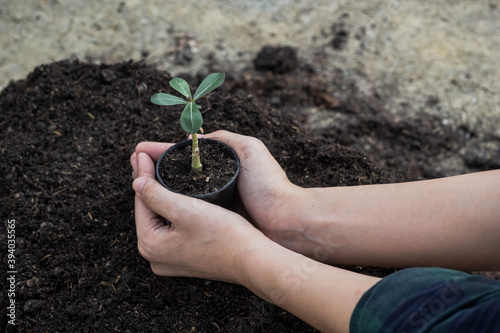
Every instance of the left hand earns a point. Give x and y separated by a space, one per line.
201 239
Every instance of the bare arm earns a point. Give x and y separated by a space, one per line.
322 295
451 222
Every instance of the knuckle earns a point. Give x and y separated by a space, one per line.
223 131
140 147
221 135
253 147
257 143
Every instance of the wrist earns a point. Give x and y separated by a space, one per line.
249 257
288 224
310 227
261 269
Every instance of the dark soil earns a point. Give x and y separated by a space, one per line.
66 134
219 169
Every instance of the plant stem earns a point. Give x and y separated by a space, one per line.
195 162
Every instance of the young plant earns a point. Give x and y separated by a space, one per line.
191 119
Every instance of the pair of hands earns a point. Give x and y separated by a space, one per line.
201 239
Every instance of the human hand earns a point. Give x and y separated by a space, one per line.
267 195
199 239
207 241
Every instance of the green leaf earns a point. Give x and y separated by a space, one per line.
191 119
166 99
181 86
210 83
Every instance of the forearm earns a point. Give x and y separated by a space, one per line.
451 222
319 294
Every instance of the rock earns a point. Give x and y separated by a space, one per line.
33 305
279 59
340 36
108 75
46 226
32 282
482 154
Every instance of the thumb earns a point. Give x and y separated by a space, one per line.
162 201
175 207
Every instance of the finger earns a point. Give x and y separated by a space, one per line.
133 163
172 206
158 198
249 149
224 136
153 149
176 208
231 139
236 141
145 165
147 220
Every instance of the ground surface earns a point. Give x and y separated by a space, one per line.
379 91
67 134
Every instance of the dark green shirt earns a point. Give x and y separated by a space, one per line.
429 300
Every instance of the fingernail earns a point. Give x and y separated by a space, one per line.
138 184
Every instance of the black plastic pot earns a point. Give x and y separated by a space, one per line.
223 197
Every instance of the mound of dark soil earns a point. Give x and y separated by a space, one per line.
67 132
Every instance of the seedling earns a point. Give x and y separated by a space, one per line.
191 119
